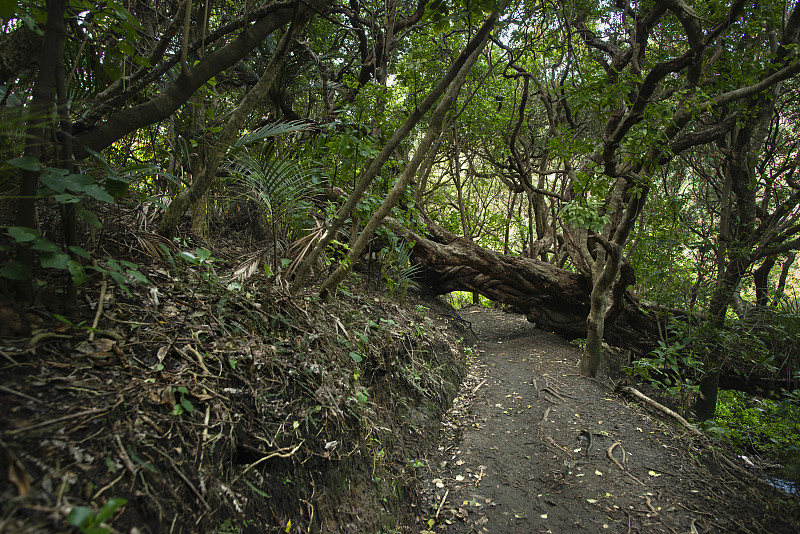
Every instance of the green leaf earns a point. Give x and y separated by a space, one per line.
187 256
56 183
203 254
142 61
187 405
80 516
116 187
88 216
26 163
362 396
22 234
15 270
109 508
356 357
45 245
126 48
79 251
54 260
76 270
77 182
121 281
97 192
139 277
66 198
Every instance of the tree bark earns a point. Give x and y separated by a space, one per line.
553 298
40 112
559 301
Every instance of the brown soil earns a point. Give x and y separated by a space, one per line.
527 448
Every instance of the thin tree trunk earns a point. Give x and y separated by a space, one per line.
257 95
346 210
785 273
39 113
64 136
431 135
512 199
761 280
455 162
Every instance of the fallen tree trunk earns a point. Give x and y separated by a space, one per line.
558 300
553 298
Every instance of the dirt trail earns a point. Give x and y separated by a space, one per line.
526 449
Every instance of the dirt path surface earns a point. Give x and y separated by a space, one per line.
530 446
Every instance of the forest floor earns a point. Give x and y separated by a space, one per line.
531 446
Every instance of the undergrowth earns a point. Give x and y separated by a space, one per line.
767 428
218 406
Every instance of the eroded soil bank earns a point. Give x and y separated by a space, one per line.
530 446
192 408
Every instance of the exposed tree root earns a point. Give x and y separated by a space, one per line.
660 407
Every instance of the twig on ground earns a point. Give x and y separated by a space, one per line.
611 456
650 505
476 388
54 421
24 396
480 477
9 358
439 508
100 304
183 477
280 453
124 456
641 396
546 413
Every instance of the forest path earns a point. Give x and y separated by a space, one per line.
526 448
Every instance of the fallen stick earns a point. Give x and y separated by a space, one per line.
641 396
611 456
476 388
439 509
546 413
54 421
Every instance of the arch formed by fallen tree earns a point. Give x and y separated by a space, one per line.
555 299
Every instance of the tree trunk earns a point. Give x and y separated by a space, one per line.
40 112
431 135
377 164
559 301
553 298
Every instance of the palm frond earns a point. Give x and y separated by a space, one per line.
274 181
249 265
271 130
